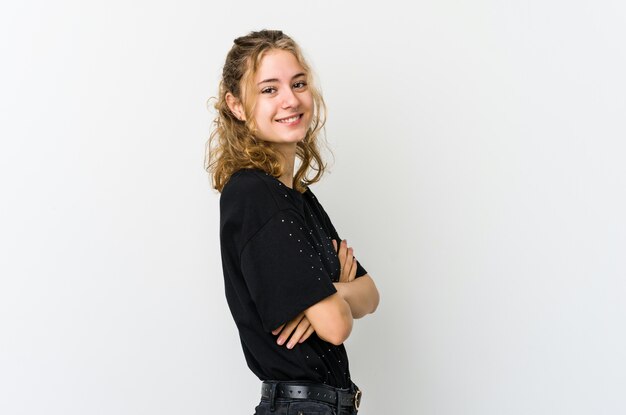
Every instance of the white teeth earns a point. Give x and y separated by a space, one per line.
288 120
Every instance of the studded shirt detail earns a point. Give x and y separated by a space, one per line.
271 250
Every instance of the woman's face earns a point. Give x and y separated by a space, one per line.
284 103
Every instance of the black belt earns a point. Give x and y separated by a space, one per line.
315 391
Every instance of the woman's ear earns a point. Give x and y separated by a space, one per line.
235 106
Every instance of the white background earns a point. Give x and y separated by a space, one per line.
479 175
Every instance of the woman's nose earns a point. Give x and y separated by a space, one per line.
290 99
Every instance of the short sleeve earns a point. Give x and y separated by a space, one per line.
282 270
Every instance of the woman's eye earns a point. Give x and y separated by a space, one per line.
300 84
268 90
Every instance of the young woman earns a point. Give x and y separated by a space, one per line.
292 285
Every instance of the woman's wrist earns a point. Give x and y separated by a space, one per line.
342 289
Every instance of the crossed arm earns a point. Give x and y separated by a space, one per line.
332 317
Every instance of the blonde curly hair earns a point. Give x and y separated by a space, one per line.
232 144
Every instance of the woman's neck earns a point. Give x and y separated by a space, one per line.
288 154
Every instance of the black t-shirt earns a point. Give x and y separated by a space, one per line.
278 260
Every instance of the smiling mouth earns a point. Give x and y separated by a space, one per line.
291 119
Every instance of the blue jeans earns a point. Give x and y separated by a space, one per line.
285 406
290 406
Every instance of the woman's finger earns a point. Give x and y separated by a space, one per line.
347 266
303 326
288 329
342 254
352 270
307 334
277 330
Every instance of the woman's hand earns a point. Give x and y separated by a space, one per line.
347 262
299 326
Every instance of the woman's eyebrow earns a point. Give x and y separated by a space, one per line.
276 80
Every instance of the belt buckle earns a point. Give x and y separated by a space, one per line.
357 399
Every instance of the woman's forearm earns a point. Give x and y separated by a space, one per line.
361 294
331 318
